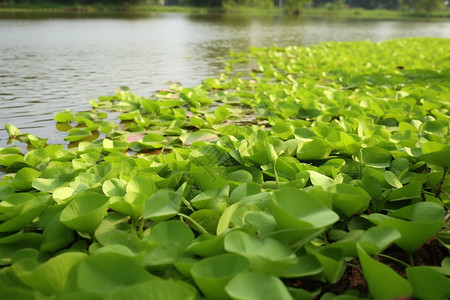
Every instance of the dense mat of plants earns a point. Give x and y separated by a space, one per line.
316 171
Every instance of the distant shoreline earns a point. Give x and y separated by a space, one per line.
357 13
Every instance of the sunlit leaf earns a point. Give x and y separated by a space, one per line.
190 138
85 211
12 130
162 205
154 289
105 273
416 223
77 134
257 286
267 255
212 274
50 277
383 282
64 116
301 212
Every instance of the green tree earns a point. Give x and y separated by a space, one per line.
430 5
249 3
295 6
202 3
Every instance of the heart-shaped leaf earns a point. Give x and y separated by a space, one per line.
212 274
50 277
266 255
257 286
85 211
383 282
301 212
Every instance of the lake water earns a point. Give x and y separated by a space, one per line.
49 64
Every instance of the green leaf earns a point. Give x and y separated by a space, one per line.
12 131
207 245
215 199
114 187
409 191
77 134
436 154
212 274
47 184
314 150
162 205
50 277
332 260
221 113
106 272
302 212
349 199
154 289
376 157
142 184
383 282
64 116
112 228
6 191
425 219
171 231
207 218
378 238
267 255
200 135
56 235
287 167
243 190
23 179
23 213
152 141
205 179
37 142
257 286
170 240
114 145
307 265
437 128
428 284
241 176
392 179
318 179
85 211
263 222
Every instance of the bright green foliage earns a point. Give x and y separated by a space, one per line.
383 282
257 286
320 159
213 273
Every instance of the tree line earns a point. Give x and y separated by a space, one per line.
426 5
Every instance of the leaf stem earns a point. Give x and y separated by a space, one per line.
140 227
277 179
92 235
360 164
355 267
396 260
199 227
441 184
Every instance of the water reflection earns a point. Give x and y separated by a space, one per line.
51 64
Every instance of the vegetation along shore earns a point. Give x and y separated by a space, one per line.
319 173
385 9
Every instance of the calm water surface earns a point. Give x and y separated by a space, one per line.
52 64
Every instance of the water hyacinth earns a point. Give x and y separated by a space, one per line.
322 161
